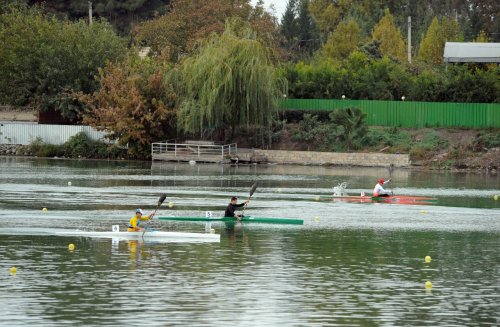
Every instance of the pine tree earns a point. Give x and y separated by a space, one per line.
289 26
308 32
432 44
343 41
391 40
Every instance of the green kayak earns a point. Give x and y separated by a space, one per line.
246 219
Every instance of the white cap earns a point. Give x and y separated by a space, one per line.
139 211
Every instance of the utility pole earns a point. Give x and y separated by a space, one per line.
409 39
90 13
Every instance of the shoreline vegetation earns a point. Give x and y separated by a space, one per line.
429 149
219 70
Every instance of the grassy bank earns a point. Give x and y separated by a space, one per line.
429 148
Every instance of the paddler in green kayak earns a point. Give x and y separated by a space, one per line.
133 225
231 207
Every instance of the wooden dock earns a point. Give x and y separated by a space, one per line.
199 151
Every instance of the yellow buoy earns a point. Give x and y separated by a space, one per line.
13 270
316 218
69 183
428 284
317 198
170 204
44 209
212 231
495 197
71 247
428 258
423 212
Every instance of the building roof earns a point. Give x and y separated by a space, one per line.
471 52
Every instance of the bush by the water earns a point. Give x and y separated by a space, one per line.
78 146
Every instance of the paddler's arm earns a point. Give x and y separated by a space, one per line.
144 218
241 204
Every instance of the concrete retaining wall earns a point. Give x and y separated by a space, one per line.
335 158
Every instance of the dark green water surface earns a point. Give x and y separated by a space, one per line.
350 264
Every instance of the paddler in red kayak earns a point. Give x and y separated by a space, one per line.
379 190
135 221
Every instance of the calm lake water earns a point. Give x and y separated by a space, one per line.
350 264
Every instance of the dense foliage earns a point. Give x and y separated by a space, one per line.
78 146
133 104
230 82
204 79
360 77
120 14
176 34
43 59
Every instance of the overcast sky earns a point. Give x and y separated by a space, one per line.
279 6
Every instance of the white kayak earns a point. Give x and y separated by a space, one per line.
148 236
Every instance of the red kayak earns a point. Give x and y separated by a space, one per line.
394 199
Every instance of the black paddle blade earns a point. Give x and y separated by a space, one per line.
252 190
162 198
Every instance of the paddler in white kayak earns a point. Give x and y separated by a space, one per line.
135 221
379 190
231 208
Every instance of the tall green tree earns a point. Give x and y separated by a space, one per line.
308 32
230 81
43 60
432 46
289 26
391 40
343 41
328 14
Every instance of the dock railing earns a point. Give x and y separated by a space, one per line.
192 150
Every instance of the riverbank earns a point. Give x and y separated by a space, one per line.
433 149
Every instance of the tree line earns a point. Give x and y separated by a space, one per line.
216 65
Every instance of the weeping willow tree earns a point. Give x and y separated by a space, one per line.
229 82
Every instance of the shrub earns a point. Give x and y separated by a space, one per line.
352 123
486 140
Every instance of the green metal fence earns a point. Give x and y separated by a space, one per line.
410 114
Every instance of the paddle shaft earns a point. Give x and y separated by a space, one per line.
160 201
252 191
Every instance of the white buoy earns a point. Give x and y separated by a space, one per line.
69 183
192 162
